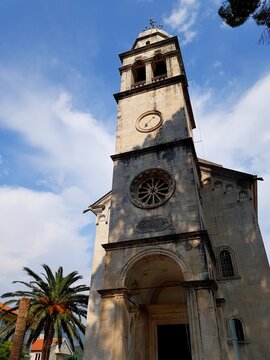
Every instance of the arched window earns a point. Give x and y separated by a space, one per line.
238 330
159 66
226 264
138 71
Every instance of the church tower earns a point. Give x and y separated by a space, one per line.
168 276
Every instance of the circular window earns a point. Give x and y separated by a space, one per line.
151 188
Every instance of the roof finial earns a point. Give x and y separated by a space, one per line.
152 25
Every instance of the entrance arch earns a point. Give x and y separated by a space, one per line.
158 306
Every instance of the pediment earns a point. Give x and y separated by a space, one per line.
98 206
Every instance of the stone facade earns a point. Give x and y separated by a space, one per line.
178 246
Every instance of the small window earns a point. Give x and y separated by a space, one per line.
243 195
218 185
226 264
139 73
37 356
159 66
238 330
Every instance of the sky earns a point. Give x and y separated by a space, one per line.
58 72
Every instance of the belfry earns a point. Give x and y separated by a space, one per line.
179 268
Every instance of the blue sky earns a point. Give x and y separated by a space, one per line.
58 70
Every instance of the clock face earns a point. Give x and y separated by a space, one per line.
149 121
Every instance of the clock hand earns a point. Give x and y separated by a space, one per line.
148 122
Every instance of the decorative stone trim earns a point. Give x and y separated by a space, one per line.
201 284
183 142
194 235
147 87
158 44
151 188
110 293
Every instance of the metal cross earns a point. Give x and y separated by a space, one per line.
153 25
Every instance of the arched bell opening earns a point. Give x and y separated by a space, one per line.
159 66
138 72
158 320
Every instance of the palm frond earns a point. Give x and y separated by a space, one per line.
56 301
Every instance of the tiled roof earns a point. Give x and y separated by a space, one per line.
6 307
38 344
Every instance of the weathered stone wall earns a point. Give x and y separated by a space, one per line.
181 211
232 224
169 101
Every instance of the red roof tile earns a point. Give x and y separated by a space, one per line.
38 344
6 307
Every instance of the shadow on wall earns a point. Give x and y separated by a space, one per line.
126 213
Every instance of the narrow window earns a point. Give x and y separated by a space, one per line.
226 264
238 330
159 66
138 70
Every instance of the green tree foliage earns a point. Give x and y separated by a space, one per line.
57 308
5 347
237 12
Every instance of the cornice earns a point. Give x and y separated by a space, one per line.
116 292
155 148
202 234
157 44
201 284
155 85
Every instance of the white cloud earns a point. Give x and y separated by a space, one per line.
183 18
70 160
39 228
69 144
239 137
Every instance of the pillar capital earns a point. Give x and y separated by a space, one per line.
114 293
201 284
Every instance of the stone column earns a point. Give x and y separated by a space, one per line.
138 342
126 79
222 328
149 72
169 62
115 324
194 325
204 333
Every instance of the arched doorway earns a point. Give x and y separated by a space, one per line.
158 324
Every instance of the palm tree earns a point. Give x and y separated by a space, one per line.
56 308
19 331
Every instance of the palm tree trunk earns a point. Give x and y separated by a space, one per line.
17 341
48 338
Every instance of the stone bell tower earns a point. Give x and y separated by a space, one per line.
154 289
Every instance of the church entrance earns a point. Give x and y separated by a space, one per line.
158 314
173 342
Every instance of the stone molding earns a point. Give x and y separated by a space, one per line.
148 87
201 284
157 44
202 235
155 148
111 293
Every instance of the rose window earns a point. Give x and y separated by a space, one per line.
151 188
